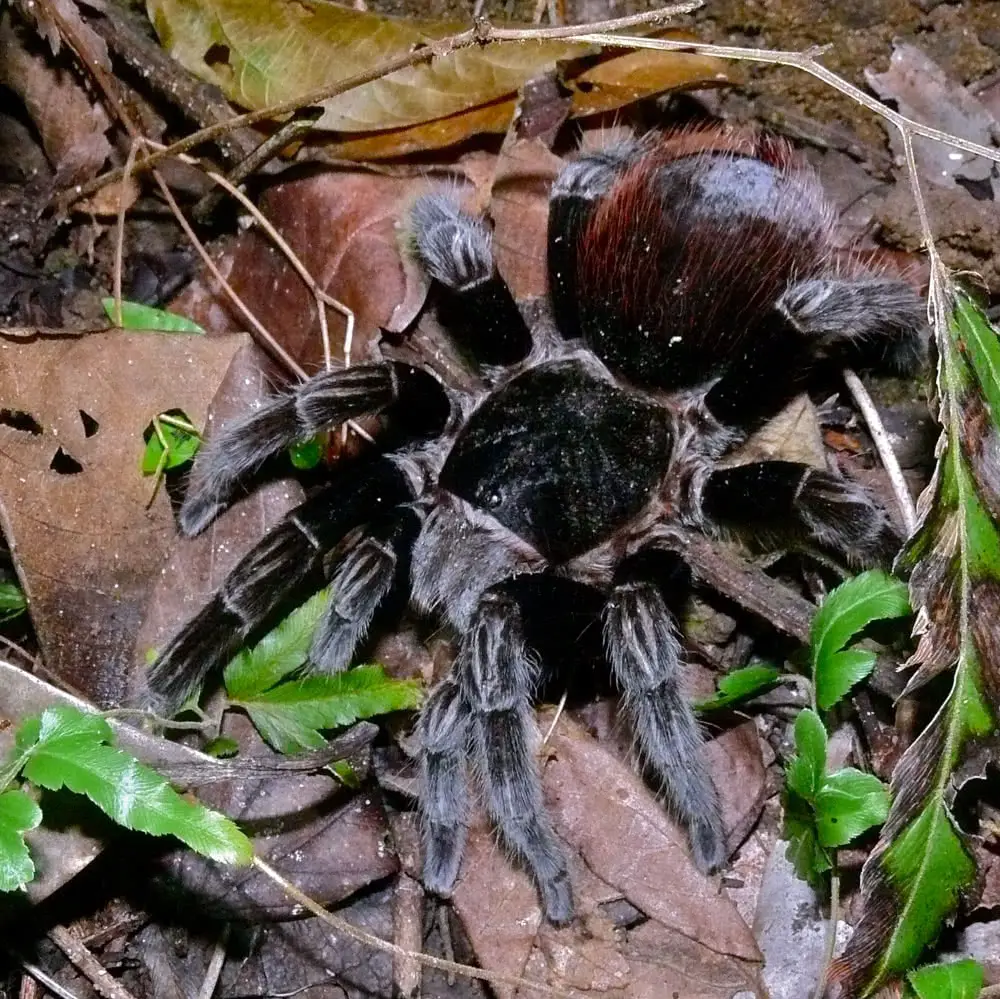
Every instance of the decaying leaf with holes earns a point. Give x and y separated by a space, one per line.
72 497
913 880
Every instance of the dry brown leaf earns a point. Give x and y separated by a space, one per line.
71 124
86 548
692 941
525 170
329 842
614 82
791 435
343 226
264 53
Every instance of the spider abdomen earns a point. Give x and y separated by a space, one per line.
561 457
682 260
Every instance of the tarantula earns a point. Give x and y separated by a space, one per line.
694 287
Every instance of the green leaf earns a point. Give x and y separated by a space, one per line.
848 803
805 771
931 860
957 980
850 608
182 446
308 454
71 749
804 850
344 772
280 652
222 747
12 601
913 881
144 317
290 716
18 814
739 685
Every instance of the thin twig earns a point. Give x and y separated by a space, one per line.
804 61
104 983
120 232
352 931
215 965
321 297
830 941
52 984
555 718
263 335
883 445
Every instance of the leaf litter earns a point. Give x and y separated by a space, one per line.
87 565
682 934
553 955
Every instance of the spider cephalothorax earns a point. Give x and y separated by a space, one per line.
694 287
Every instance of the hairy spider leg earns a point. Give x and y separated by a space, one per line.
444 802
497 678
874 322
286 561
359 583
329 398
474 305
642 647
786 498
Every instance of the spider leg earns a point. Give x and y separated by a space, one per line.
575 196
359 583
475 305
787 498
444 802
878 322
324 401
872 322
646 660
285 561
497 678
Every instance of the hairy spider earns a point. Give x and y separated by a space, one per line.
694 287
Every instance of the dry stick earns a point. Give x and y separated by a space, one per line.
52 984
104 983
884 447
830 940
120 232
804 61
352 931
215 964
481 34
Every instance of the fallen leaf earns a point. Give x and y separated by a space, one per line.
262 54
328 842
923 91
686 938
519 207
70 123
353 256
72 499
792 435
